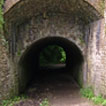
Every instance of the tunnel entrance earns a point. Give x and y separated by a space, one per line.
51 61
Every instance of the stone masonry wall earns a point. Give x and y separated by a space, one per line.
21 35
56 25
7 75
37 28
9 3
4 71
96 56
95 3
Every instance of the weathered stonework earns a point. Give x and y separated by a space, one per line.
96 56
4 70
79 22
98 4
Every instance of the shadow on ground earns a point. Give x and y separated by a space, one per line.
58 86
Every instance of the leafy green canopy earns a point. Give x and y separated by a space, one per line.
52 54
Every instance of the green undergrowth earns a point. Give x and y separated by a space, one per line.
13 101
88 93
45 102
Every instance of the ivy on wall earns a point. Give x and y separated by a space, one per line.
1 17
3 40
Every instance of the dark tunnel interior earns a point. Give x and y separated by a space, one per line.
30 69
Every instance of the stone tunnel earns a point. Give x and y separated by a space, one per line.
77 26
29 62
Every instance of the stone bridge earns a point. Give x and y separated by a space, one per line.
78 26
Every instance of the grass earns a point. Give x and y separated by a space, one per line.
88 93
45 102
13 101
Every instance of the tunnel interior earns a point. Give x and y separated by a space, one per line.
31 68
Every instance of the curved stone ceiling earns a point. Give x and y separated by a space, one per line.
10 3
20 9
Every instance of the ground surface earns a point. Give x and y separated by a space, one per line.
60 90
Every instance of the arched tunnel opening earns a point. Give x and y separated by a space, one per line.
51 61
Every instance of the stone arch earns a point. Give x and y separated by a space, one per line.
82 11
77 20
28 63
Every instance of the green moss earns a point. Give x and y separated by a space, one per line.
19 52
81 39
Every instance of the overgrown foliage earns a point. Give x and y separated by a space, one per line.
52 54
88 93
45 102
1 17
13 101
3 40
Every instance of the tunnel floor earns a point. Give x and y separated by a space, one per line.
57 86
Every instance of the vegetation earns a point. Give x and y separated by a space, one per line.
88 93
13 101
45 102
1 17
4 42
52 54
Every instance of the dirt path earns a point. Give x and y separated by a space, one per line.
60 90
